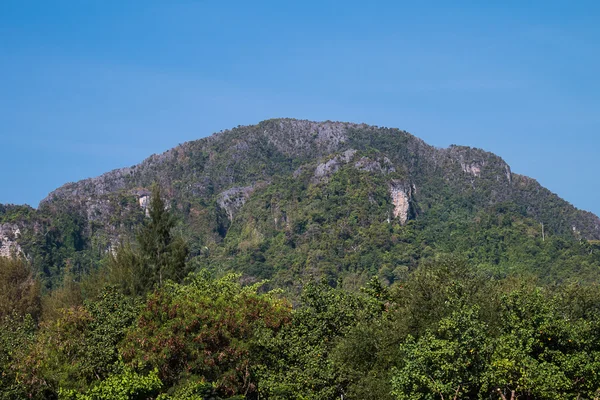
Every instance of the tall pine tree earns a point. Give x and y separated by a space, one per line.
162 255
157 255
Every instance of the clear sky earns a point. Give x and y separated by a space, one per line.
89 86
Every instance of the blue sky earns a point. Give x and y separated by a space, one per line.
86 87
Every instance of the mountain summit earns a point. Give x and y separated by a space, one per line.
285 198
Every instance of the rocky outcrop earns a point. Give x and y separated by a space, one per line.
330 167
326 169
401 194
384 166
478 163
296 137
473 168
143 198
231 200
9 233
107 183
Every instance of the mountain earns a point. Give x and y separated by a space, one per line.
287 199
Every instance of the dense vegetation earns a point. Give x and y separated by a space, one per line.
286 199
271 262
139 328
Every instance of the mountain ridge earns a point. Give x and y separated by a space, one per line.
238 190
329 132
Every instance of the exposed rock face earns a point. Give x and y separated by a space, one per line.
308 136
326 169
472 168
93 187
330 167
143 197
231 200
508 173
478 163
9 233
143 201
401 194
384 166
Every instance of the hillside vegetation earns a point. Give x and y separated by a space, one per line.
301 260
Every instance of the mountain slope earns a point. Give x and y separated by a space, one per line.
288 198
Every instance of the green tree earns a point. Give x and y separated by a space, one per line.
444 365
124 384
367 352
162 254
157 255
78 348
545 349
16 333
300 355
19 290
208 330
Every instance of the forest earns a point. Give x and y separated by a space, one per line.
154 321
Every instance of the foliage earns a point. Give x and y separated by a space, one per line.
158 257
162 255
206 329
300 355
541 349
19 290
77 348
16 332
292 221
447 364
447 330
489 290
124 384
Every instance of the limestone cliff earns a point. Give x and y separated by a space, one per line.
401 194
9 236
286 172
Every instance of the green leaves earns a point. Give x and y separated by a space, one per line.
162 256
206 329
447 364
300 355
537 350
78 348
16 334
19 290
124 384
157 257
